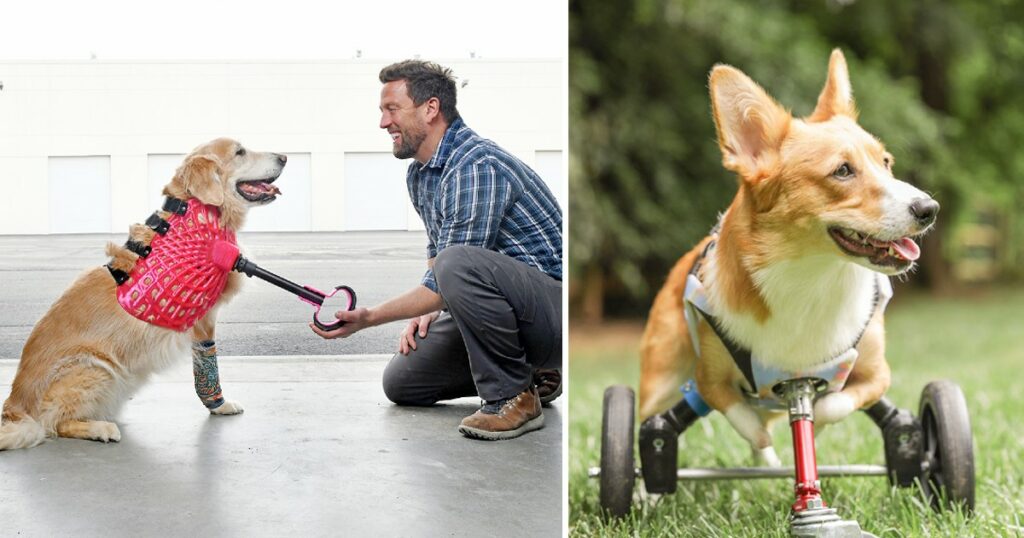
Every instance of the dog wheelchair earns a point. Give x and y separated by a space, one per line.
933 450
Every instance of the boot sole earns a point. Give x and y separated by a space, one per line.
476 433
546 400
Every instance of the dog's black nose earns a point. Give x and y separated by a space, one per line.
924 210
282 158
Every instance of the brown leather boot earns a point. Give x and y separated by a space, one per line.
549 384
517 416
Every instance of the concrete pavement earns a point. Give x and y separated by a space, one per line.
319 450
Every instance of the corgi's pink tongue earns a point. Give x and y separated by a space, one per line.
907 248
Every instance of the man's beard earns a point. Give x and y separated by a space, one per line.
411 141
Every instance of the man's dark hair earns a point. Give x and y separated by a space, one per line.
424 80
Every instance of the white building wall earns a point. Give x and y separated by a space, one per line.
130 111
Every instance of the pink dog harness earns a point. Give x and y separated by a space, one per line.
175 282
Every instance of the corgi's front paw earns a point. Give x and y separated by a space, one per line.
229 407
749 425
767 457
832 408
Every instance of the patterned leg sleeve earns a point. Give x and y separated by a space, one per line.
204 370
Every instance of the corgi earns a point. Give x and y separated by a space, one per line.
796 272
87 355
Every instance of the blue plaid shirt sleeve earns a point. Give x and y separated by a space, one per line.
473 202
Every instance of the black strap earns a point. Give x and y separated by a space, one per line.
740 355
158 224
874 305
119 276
695 270
138 248
175 205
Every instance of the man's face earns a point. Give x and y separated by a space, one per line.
402 119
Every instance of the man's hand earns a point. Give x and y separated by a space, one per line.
355 321
414 302
407 341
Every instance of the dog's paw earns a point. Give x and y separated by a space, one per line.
105 432
832 408
767 457
749 425
229 407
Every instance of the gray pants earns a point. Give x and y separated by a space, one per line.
504 320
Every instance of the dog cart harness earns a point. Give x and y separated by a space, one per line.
758 375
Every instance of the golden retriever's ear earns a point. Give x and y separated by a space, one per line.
837 96
751 125
199 175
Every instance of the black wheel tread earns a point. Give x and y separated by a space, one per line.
617 465
945 401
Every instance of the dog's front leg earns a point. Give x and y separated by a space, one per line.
866 384
717 378
205 371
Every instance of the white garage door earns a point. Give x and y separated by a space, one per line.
161 170
376 197
289 213
549 166
79 194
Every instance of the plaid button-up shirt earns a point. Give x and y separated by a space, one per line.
472 192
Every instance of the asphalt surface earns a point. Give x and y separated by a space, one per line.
319 450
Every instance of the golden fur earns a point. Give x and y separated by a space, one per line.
86 355
774 230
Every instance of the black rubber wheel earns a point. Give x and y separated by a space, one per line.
948 478
617 471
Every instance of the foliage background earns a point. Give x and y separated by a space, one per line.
940 82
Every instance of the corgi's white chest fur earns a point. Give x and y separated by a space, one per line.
818 307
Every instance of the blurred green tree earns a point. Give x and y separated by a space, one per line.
936 81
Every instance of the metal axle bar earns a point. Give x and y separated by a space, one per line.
739 473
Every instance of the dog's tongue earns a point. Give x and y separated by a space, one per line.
269 188
907 248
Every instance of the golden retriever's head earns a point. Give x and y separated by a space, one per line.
225 174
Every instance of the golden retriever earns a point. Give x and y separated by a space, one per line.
87 354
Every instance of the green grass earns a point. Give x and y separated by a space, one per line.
977 342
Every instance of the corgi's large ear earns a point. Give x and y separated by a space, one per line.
751 125
837 96
199 176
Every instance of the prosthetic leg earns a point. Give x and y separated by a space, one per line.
659 440
903 436
809 516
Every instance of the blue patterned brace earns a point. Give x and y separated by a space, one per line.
204 370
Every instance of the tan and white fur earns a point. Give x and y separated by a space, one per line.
87 355
778 278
